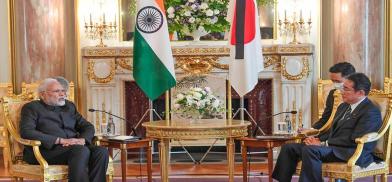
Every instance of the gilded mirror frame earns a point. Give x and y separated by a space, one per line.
124 36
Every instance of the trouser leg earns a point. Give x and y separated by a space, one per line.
98 163
287 162
312 159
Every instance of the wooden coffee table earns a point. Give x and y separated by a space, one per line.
268 142
124 145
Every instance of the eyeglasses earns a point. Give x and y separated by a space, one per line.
57 91
346 89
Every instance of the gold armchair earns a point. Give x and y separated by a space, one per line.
17 167
349 170
323 88
5 90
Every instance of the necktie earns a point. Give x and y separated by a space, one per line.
346 115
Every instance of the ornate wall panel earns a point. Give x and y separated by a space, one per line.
40 44
287 67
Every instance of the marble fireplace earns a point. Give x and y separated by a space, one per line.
284 84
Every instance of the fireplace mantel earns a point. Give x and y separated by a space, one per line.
289 66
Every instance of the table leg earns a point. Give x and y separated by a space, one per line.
270 163
123 162
149 162
163 157
244 162
230 157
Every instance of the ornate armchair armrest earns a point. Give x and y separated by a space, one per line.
97 140
370 137
309 132
35 144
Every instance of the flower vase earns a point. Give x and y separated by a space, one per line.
195 119
198 33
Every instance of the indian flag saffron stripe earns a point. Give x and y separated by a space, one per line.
153 65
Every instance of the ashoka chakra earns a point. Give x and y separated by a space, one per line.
149 19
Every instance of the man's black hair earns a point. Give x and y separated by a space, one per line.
344 68
361 82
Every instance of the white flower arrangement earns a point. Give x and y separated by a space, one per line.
186 16
198 103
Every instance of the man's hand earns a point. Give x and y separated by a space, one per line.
312 141
72 141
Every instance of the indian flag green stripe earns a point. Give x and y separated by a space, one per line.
149 72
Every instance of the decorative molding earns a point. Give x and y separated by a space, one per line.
125 63
190 51
126 52
295 50
270 60
93 76
100 52
196 65
304 72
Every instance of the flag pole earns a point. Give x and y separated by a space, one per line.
229 106
167 107
242 108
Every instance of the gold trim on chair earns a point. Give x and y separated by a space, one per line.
14 146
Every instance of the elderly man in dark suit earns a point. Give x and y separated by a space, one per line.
64 134
337 73
354 118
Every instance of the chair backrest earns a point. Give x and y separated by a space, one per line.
32 89
337 100
323 88
387 85
5 90
384 102
12 109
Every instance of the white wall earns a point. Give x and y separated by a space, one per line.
5 66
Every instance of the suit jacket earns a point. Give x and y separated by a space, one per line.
45 123
327 111
366 118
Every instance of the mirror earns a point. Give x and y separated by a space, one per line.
268 19
127 19
268 25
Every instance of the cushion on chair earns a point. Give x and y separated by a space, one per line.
36 169
340 167
382 104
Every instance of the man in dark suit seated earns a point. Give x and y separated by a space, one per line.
66 137
337 73
354 118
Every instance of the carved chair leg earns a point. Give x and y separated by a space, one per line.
14 179
375 178
384 178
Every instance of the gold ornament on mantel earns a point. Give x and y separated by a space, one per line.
100 29
295 26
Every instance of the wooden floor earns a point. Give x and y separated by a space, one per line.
135 170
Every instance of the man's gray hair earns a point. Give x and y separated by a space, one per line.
63 82
45 83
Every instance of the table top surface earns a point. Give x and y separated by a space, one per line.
200 124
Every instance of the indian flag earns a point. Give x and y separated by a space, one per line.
153 65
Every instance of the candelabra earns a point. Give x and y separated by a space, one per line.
295 26
100 29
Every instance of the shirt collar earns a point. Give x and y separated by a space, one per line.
353 106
